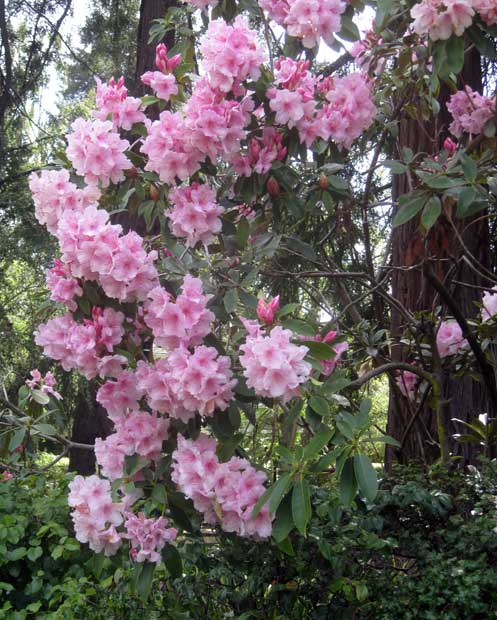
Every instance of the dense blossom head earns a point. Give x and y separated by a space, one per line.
450 340
185 321
231 53
62 285
164 85
308 20
407 383
112 99
261 153
185 383
53 194
147 537
195 214
470 111
223 492
273 365
97 152
487 10
440 19
95 515
120 396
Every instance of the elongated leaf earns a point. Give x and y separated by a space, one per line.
280 488
319 405
283 524
17 439
348 483
320 350
301 505
455 54
172 560
145 578
409 210
366 476
317 443
431 212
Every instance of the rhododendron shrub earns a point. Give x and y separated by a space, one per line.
181 322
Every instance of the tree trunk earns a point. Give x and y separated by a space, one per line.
467 397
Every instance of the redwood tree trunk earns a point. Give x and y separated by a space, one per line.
467 397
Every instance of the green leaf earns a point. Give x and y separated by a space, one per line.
46 429
301 505
467 197
319 350
317 443
40 397
172 560
319 405
145 579
280 488
300 327
366 476
396 167
431 212
469 168
349 31
283 523
455 54
35 552
230 300
149 100
409 210
348 483
286 547
17 439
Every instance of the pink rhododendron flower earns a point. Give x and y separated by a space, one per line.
95 515
195 214
489 302
63 286
53 194
119 396
185 321
6 475
164 85
470 111
185 383
266 310
231 53
262 152
147 536
440 19
487 10
97 152
450 339
273 365
308 20
112 99
407 383
225 493
46 384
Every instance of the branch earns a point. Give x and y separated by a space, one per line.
379 370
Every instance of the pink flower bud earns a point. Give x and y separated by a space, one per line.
266 311
450 146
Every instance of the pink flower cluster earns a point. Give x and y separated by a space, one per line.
450 340
440 19
147 536
487 10
339 348
407 383
96 250
46 384
77 345
231 54
53 193
223 492
63 287
262 152
97 152
273 365
185 383
95 515
112 99
185 321
120 396
470 111
489 302
195 214
347 107
138 432
308 20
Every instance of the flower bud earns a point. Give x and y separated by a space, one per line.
273 187
266 311
154 193
450 146
323 181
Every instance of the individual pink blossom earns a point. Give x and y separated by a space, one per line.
147 536
97 152
63 286
407 383
266 310
95 515
120 396
273 365
53 194
440 19
45 384
225 493
185 383
450 340
308 20
339 348
164 85
195 214
261 153
112 100
487 10
489 304
111 366
185 321
231 53
470 111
